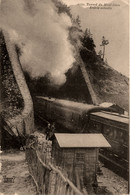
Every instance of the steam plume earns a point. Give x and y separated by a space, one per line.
41 33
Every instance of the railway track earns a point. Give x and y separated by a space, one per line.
119 169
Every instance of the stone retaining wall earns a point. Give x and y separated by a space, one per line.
24 122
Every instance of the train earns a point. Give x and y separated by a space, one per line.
76 117
115 129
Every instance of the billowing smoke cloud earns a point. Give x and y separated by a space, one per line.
42 35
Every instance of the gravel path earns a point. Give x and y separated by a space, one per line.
115 184
14 165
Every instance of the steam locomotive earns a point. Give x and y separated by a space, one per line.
85 118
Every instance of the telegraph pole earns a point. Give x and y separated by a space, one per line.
104 43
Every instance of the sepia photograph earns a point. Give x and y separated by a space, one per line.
64 97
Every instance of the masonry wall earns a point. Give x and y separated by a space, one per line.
24 122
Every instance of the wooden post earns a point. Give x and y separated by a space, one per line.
103 51
52 183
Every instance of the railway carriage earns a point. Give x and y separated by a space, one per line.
115 129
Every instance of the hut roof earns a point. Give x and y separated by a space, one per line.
113 117
68 140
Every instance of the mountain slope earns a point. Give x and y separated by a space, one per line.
114 25
102 80
108 85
